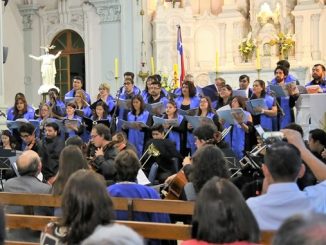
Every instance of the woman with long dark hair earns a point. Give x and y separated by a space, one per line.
222 216
87 214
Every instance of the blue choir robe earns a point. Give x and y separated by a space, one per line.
70 132
175 134
135 136
194 103
29 114
238 138
266 121
71 93
110 103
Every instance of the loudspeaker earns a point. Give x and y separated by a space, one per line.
5 54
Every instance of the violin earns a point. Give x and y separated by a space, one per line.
174 190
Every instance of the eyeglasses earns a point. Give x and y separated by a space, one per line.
24 135
94 136
126 83
77 96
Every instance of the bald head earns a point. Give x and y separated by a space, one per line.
29 163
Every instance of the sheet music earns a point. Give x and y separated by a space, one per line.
141 178
162 121
155 108
125 104
197 121
134 124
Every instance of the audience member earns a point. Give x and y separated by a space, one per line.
283 197
87 215
317 142
221 216
307 229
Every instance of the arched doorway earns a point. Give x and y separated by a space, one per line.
72 60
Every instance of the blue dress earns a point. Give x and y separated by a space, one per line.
136 136
265 121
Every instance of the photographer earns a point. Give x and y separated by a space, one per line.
57 106
283 197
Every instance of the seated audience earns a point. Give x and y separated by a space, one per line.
7 141
221 216
87 214
317 142
302 230
283 197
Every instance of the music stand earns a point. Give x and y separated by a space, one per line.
7 160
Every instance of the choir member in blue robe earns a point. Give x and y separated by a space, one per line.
77 83
145 92
137 136
319 77
81 103
225 96
286 115
177 134
72 130
241 130
265 118
58 107
188 100
20 110
205 110
104 94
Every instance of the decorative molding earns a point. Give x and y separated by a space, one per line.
108 10
27 12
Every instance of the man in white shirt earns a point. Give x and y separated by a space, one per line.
283 165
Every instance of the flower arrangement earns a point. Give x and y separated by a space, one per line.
284 42
247 47
169 86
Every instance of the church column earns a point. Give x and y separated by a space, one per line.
31 28
223 38
109 13
299 37
315 52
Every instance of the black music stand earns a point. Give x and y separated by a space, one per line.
7 160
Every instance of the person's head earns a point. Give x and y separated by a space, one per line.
128 85
158 132
203 134
155 89
283 63
6 138
104 89
189 77
208 161
225 91
70 109
27 133
129 74
305 229
120 139
127 165
281 73
20 105
205 105
51 130
318 72
238 102
45 111
258 87
157 77
219 82
137 104
222 216
77 82
71 159
19 95
188 88
171 108
317 140
85 205
149 81
244 82
76 141
295 127
100 135
80 97
277 168
101 110
29 163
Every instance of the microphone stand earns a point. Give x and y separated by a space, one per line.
114 115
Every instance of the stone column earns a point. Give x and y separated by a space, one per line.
315 52
29 13
223 39
299 36
109 13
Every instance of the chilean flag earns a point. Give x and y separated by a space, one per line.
181 64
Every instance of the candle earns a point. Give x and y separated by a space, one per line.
116 68
216 61
152 65
258 65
